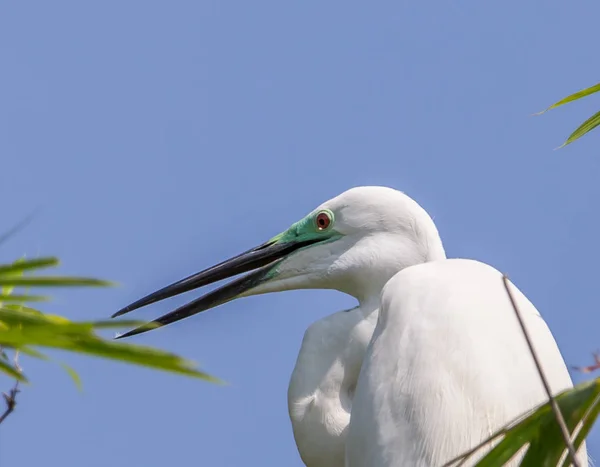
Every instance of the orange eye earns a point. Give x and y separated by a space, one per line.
323 221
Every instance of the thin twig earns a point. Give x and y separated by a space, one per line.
20 225
555 408
10 398
11 401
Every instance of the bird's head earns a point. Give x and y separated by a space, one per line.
353 243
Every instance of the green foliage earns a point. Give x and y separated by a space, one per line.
540 430
24 329
586 126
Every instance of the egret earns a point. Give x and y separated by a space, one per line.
428 364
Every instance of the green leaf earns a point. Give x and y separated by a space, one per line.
8 289
25 329
25 265
17 315
22 298
588 419
11 371
52 281
584 128
142 355
73 374
32 353
20 308
574 97
541 431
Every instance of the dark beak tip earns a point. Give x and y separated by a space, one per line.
126 334
121 312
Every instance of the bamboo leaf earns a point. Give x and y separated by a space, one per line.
73 374
44 331
26 265
19 316
548 445
22 298
52 281
20 308
8 289
32 353
11 371
573 97
25 329
541 432
588 422
584 128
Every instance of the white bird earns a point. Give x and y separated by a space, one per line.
431 361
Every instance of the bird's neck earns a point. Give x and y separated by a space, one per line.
367 286
369 305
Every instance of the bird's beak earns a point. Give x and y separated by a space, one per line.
260 260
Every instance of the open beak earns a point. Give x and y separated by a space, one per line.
260 260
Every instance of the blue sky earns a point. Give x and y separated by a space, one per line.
157 138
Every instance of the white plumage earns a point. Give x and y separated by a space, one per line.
446 366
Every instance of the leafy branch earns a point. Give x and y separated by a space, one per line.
586 126
25 330
10 397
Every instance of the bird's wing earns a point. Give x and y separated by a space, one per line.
322 385
447 366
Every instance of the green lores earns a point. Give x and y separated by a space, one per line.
261 264
316 226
